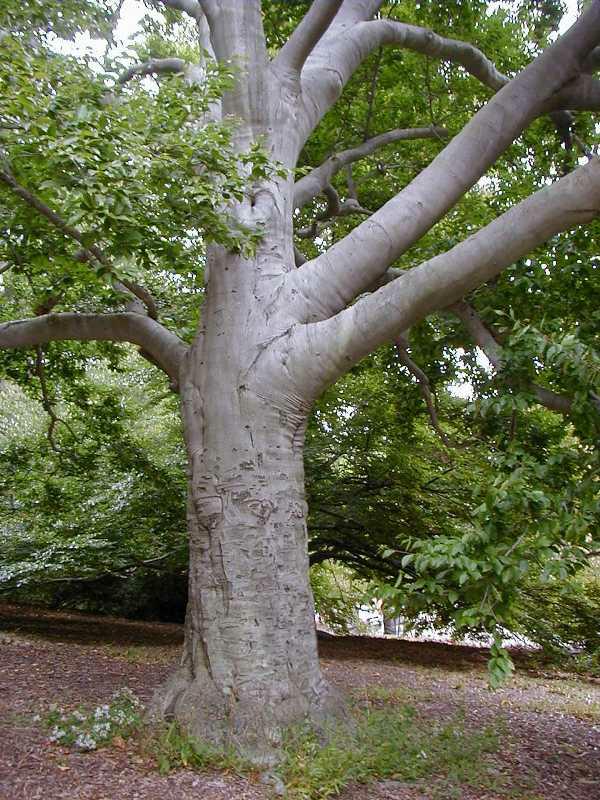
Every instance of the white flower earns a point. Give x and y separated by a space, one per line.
101 729
102 711
85 742
57 733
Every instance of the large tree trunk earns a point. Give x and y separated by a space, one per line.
250 664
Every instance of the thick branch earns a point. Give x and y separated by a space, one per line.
307 35
484 338
191 7
592 62
155 66
299 257
581 94
165 347
316 181
238 39
334 63
336 59
89 251
199 11
353 11
334 279
379 317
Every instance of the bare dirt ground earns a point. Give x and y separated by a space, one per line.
549 722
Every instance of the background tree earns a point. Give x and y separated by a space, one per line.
126 186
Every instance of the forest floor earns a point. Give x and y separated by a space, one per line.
545 724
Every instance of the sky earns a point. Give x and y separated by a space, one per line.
570 16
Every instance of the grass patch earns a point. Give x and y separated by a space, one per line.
394 695
171 749
392 744
385 744
579 705
556 696
135 654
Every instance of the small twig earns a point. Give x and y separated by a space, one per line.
513 426
114 21
371 94
424 386
350 183
583 147
48 403
437 477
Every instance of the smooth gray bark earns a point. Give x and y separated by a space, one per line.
166 349
336 278
250 664
318 179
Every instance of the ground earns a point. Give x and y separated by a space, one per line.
547 723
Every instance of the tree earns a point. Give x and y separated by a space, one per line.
274 332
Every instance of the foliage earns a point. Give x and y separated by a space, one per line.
562 615
133 170
338 593
99 523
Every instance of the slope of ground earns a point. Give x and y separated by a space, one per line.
547 725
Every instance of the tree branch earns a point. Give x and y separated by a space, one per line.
192 8
484 338
592 62
335 208
301 43
331 281
379 317
47 402
125 572
319 178
204 12
402 345
165 347
299 257
581 94
155 66
336 59
89 252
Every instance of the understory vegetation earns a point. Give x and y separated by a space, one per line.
423 717
374 744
